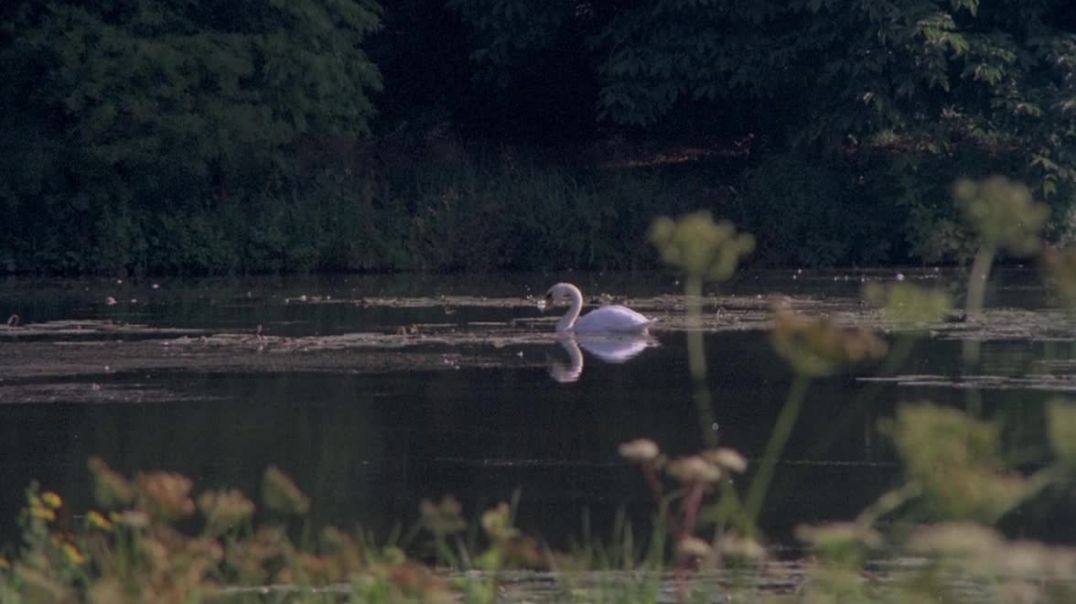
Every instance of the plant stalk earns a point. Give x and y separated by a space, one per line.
696 359
781 432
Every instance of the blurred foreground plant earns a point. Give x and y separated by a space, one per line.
942 544
1059 268
814 348
1004 217
693 493
704 251
142 545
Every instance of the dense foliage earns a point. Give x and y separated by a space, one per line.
215 136
925 74
130 129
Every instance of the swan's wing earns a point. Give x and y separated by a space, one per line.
612 319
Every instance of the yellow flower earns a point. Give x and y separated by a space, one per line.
43 513
97 521
73 555
4 564
52 500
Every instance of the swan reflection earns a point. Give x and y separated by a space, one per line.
613 349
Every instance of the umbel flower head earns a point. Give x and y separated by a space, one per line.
1060 269
164 495
906 305
281 494
640 450
110 489
442 518
224 510
694 470
1002 213
817 348
971 482
700 247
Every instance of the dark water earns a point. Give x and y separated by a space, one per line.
368 445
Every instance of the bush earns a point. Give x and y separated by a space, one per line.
806 213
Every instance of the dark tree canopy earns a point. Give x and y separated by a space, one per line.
922 73
118 110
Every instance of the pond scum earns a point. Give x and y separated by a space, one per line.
933 538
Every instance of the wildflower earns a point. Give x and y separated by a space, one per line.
224 510
497 522
972 482
165 495
134 519
694 470
41 512
110 488
640 450
281 494
841 542
700 247
442 518
1002 213
417 580
726 459
740 548
907 305
72 554
1060 268
693 547
96 520
816 348
955 540
1061 417
52 500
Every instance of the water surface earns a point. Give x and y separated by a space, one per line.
375 392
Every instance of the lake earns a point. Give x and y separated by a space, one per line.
375 392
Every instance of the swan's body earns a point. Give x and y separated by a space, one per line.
607 319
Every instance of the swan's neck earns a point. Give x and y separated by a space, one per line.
568 320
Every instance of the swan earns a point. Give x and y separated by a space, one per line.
607 319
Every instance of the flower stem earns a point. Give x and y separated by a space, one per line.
696 359
781 431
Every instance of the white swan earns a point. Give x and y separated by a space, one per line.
607 319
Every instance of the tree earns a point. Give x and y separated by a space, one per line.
117 113
823 74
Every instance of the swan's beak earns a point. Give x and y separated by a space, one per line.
546 303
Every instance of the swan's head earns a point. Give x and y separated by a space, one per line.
561 293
